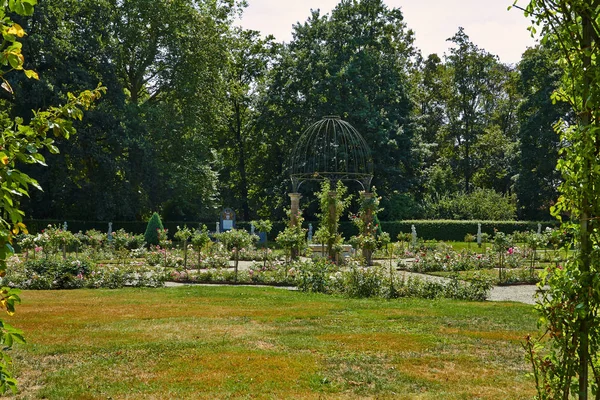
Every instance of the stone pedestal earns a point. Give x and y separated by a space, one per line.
294 213
332 222
367 218
294 208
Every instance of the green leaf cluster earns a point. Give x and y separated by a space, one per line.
333 203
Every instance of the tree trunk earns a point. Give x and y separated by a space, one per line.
367 221
294 210
241 163
236 265
467 157
185 254
332 225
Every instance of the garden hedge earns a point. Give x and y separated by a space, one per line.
456 230
426 229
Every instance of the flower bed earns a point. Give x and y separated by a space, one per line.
79 273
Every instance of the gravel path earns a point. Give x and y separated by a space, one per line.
521 293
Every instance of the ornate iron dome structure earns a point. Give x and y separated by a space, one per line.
331 149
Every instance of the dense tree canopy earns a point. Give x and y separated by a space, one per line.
148 145
537 180
200 114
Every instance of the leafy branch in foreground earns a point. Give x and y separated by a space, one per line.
21 143
569 308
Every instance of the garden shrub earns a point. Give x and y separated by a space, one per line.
476 289
49 273
293 238
370 237
151 236
325 277
482 204
362 282
449 260
314 277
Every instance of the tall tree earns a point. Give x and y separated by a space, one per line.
538 180
466 136
470 101
353 63
250 57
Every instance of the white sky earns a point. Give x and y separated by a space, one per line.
487 22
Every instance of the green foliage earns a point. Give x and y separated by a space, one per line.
23 143
357 70
324 277
332 204
483 204
569 313
314 277
263 225
370 237
72 273
397 206
160 123
241 150
95 238
200 238
293 237
467 125
502 244
58 239
151 236
537 180
447 260
234 240
183 234
473 81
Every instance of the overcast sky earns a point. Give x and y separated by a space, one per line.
487 22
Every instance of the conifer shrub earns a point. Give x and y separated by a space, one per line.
151 234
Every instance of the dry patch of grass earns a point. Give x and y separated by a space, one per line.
470 377
377 342
239 342
489 335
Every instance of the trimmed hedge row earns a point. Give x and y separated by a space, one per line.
456 230
426 229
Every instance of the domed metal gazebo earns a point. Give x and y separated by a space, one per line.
331 149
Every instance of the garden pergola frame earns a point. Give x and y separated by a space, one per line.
331 149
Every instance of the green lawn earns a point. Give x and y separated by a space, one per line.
249 342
